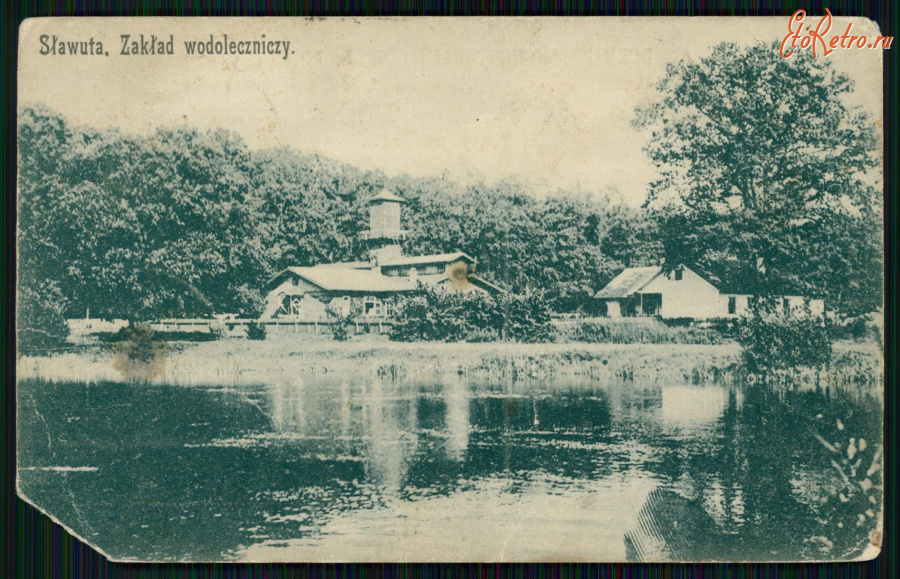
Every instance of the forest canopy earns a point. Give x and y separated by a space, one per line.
768 182
769 177
188 223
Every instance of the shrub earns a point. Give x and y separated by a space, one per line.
639 331
256 331
526 317
772 339
434 314
343 320
140 353
340 328
859 328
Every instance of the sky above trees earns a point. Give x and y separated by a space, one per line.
549 102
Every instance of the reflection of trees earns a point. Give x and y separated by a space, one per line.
506 433
744 461
775 522
731 459
792 493
767 479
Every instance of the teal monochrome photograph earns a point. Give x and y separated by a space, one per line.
453 290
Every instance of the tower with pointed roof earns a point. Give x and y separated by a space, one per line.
384 234
314 293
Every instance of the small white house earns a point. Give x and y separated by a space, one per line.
683 293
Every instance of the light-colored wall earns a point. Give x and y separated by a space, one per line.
384 216
797 305
742 305
613 309
690 297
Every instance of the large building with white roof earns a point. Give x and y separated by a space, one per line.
369 288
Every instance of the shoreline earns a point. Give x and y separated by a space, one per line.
238 362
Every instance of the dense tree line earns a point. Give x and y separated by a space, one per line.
183 223
768 181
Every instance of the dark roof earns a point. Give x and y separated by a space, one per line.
385 195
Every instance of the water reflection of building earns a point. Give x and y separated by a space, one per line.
709 449
688 406
456 418
287 396
419 436
389 433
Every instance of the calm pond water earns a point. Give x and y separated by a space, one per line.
331 469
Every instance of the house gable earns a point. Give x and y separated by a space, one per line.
685 294
289 278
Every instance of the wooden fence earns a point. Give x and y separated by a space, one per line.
238 326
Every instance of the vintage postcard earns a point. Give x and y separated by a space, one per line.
416 289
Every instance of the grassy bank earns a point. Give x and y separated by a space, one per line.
648 330
236 361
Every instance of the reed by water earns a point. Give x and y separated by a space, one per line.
231 362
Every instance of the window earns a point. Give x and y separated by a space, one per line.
786 305
370 306
679 273
732 305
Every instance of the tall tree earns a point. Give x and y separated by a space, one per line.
186 223
768 175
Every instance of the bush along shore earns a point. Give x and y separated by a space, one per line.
232 362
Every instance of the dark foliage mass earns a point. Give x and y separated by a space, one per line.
435 315
184 223
773 339
256 331
768 177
